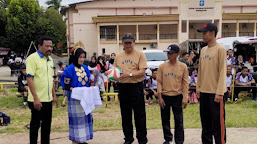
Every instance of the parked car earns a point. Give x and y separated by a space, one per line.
154 59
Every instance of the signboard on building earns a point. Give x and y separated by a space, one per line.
198 8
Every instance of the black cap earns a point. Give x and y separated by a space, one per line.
172 49
128 38
208 27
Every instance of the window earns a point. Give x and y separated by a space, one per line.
108 32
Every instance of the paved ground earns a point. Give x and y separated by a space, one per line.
5 73
192 136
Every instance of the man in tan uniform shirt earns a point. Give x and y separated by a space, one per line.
133 66
211 86
172 87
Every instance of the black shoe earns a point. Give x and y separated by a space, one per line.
167 142
129 141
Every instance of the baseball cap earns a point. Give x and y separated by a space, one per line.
172 49
128 38
208 27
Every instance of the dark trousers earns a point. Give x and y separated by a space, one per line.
238 89
132 99
211 119
227 95
174 102
43 119
150 94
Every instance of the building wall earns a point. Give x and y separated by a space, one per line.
82 28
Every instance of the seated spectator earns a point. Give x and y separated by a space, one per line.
152 84
190 59
192 95
231 61
102 67
244 79
194 78
240 62
10 63
229 79
97 80
22 85
184 58
196 58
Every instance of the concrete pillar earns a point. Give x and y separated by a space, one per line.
137 34
158 35
237 29
254 29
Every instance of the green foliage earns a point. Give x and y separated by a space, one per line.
4 4
22 16
26 22
56 4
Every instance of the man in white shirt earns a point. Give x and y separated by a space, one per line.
246 80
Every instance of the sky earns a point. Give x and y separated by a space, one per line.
64 2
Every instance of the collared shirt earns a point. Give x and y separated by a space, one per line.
185 62
41 69
134 61
245 79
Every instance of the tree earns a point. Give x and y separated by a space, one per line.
22 16
3 22
54 3
4 4
52 24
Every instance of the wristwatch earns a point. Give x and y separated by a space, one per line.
130 74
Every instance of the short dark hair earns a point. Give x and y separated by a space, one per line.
230 49
244 67
155 69
229 66
185 53
42 39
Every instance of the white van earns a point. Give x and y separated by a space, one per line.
154 59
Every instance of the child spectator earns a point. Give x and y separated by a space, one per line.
245 80
22 85
152 84
97 80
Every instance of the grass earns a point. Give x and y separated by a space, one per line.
237 115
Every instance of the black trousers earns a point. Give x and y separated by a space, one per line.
174 102
132 99
238 89
211 119
150 94
43 119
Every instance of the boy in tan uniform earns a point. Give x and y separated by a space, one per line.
133 66
211 86
172 87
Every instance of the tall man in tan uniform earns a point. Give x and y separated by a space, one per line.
172 87
211 86
133 66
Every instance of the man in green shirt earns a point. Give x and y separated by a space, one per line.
184 58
